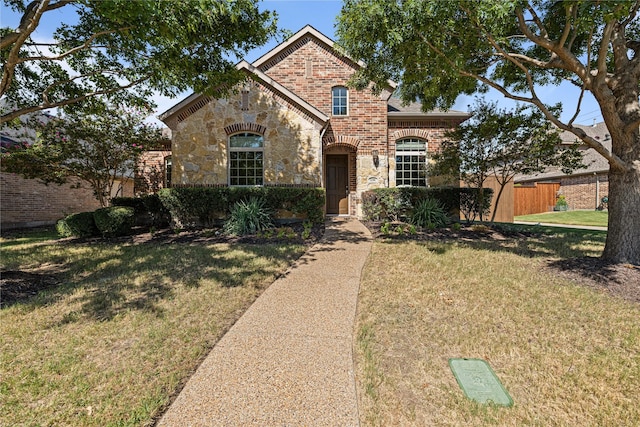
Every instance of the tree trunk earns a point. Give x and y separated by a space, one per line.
495 208
623 237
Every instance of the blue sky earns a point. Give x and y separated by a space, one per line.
321 14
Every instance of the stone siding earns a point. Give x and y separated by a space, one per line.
292 151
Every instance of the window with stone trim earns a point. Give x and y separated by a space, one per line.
339 101
411 162
246 159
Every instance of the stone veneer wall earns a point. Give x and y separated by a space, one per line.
292 150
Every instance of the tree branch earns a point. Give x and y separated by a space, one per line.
602 52
567 26
46 105
632 14
613 159
543 31
85 45
28 25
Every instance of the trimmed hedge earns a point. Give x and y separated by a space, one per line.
211 206
394 204
77 225
149 210
114 220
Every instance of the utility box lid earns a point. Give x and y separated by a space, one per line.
479 382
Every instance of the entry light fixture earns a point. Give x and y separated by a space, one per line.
376 158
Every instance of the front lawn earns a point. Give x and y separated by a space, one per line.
567 351
120 324
591 218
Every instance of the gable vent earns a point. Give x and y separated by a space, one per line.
245 101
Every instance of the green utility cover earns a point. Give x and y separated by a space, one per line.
479 382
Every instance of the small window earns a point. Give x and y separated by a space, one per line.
411 162
167 172
246 154
340 98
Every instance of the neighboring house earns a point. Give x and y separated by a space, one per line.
584 188
30 203
154 168
295 122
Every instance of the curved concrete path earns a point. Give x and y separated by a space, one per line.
288 360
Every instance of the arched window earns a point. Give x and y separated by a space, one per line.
246 154
339 101
411 162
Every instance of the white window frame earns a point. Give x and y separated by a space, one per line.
235 181
417 156
338 96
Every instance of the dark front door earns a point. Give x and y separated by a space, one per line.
337 184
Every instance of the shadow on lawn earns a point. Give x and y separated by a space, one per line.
530 242
121 277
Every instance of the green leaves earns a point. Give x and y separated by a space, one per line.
97 148
125 49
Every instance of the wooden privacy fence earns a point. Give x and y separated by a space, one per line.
534 198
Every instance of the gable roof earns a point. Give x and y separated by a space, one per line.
196 101
594 161
283 49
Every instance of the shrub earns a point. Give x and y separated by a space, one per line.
393 204
248 217
429 213
77 225
149 210
385 204
207 207
475 203
114 220
561 204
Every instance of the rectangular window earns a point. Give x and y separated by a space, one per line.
246 159
245 168
411 163
339 96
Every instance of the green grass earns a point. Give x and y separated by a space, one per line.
591 218
567 354
125 327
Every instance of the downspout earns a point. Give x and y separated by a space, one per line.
597 189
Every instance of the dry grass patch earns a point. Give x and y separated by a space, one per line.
568 355
125 326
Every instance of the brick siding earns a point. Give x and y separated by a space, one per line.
580 191
311 70
28 203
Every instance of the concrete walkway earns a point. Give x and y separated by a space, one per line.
288 360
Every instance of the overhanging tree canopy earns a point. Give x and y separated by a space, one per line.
441 49
124 50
